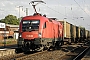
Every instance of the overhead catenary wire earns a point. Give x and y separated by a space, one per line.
65 16
54 10
71 10
65 10
81 8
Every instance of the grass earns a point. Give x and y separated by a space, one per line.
8 42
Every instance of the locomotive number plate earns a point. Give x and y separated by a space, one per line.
29 35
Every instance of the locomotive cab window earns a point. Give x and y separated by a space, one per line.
29 25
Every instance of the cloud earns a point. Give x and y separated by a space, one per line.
2 4
37 0
11 3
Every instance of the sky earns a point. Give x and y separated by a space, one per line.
76 12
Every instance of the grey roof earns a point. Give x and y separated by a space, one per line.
12 25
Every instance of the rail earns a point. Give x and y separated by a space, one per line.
81 54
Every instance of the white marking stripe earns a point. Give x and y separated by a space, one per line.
4 31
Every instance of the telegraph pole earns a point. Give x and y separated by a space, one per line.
26 11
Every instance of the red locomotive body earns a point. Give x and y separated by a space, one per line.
38 32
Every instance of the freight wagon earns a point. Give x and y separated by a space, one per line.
82 34
72 33
87 34
69 32
77 34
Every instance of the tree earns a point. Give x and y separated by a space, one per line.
10 19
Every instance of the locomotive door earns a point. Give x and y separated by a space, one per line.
49 29
59 32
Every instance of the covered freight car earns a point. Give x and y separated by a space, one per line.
87 34
77 34
73 32
69 32
82 34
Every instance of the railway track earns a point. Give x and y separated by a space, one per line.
27 57
50 55
11 57
36 55
76 54
79 56
68 52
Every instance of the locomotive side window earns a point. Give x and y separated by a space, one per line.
44 25
29 25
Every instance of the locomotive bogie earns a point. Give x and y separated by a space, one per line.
38 43
20 41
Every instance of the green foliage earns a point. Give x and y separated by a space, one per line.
10 19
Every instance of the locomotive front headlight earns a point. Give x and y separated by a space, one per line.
40 35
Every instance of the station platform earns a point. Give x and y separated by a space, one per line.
7 50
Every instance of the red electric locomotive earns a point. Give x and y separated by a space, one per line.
39 32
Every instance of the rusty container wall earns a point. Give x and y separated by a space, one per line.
74 32
89 35
82 34
66 29
71 31
77 34
86 33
